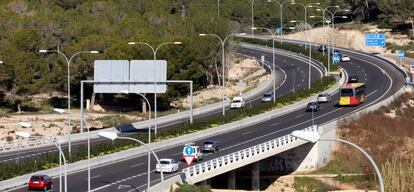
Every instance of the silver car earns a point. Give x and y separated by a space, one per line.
267 97
324 98
211 145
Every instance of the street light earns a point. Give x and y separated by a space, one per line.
27 135
149 135
281 16
315 137
305 7
310 45
68 62
273 54
112 136
154 51
222 41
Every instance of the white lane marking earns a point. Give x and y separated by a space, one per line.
372 93
176 153
280 130
119 181
155 181
96 176
248 132
136 165
299 115
274 124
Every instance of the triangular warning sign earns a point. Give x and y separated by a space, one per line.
189 159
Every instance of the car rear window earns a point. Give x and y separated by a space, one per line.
165 162
209 142
36 178
267 95
321 95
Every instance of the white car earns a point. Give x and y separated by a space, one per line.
196 151
167 166
345 58
238 102
324 98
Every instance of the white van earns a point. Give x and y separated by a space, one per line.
238 102
198 154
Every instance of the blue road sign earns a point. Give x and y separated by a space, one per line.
375 39
188 150
278 30
336 57
400 54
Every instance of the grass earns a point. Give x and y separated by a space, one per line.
305 184
387 139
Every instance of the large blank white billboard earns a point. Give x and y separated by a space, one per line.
148 71
144 72
111 71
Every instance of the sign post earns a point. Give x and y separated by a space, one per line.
400 56
336 57
188 154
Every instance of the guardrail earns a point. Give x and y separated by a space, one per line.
26 143
239 158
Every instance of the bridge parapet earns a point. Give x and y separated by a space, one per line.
223 164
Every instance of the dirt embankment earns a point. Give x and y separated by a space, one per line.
350 36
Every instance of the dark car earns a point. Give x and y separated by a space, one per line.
353 79
313 106
211 145
42 182
322 48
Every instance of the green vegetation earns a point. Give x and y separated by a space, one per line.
107 26
51 159
305 184
192 188
297 49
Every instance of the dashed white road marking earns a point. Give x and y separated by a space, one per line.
136 165
299 115
246 133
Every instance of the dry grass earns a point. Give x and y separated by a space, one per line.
388 139
398 175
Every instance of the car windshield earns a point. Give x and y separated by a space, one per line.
267 95
321 95
236 101
163 162
36 178
312 104
347 92
208 142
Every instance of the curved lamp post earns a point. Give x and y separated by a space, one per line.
149 137
68 62
222 41
57 145
310 45
112 136
315 137
273 55
281 15
154 51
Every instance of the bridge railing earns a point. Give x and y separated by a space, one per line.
233 158
26 143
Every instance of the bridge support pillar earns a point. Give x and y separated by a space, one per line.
231 180
256 176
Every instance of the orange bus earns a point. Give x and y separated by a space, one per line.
352 94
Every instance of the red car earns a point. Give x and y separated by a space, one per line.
43 182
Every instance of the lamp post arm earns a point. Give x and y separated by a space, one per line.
366 155
153 153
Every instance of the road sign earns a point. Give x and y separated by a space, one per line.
375 39
400 54
411 68
188 150
189 159
336 57
278 30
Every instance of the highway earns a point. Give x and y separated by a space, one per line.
382 81
287 67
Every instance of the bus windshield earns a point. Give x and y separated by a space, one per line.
347 92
